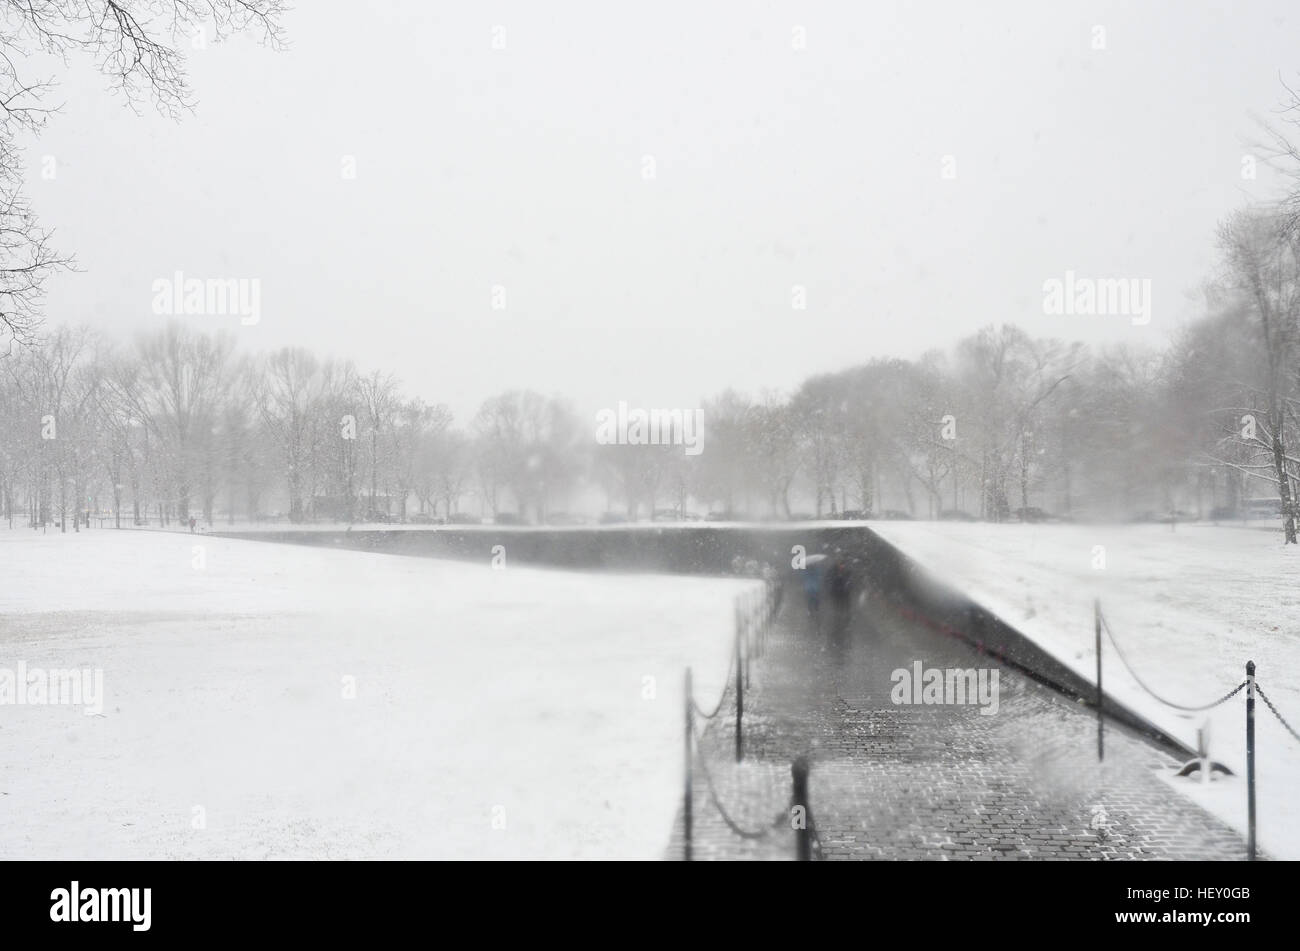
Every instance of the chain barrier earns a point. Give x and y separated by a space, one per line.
754 613
731 824
1205 763
1169 703
763 611
1280 719
731 667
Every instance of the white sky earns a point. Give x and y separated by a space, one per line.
523 167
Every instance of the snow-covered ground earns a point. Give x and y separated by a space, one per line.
1188 605
497 713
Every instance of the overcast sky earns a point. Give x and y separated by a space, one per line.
774 166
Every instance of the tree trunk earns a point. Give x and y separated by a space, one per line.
1283 479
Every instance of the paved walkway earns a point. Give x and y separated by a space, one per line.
929 781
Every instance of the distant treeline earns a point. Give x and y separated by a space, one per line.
177 423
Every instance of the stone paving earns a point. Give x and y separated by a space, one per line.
936 782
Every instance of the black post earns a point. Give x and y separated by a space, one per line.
686 804
749 642
803 832
1250 757
740 701
1096 623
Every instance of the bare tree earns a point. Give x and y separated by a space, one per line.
58 390
183 376
1006 376
136 45
1281 151
292 392
528 444
417 426
453 459
819 407
776 450
121 432
722 472
379 400
1262 254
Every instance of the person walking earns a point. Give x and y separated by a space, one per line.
813 581
841 589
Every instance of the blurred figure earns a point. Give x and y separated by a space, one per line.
774 585
813 580
841 588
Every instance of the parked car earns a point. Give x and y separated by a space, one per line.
854 515
801 516
374 515
509 518
721 515
460 518
612 518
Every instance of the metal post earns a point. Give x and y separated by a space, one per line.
1096 622
1250 757
687 802
802 833
1203 751
740 702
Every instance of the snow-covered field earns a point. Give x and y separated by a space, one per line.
497 713
1189 606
